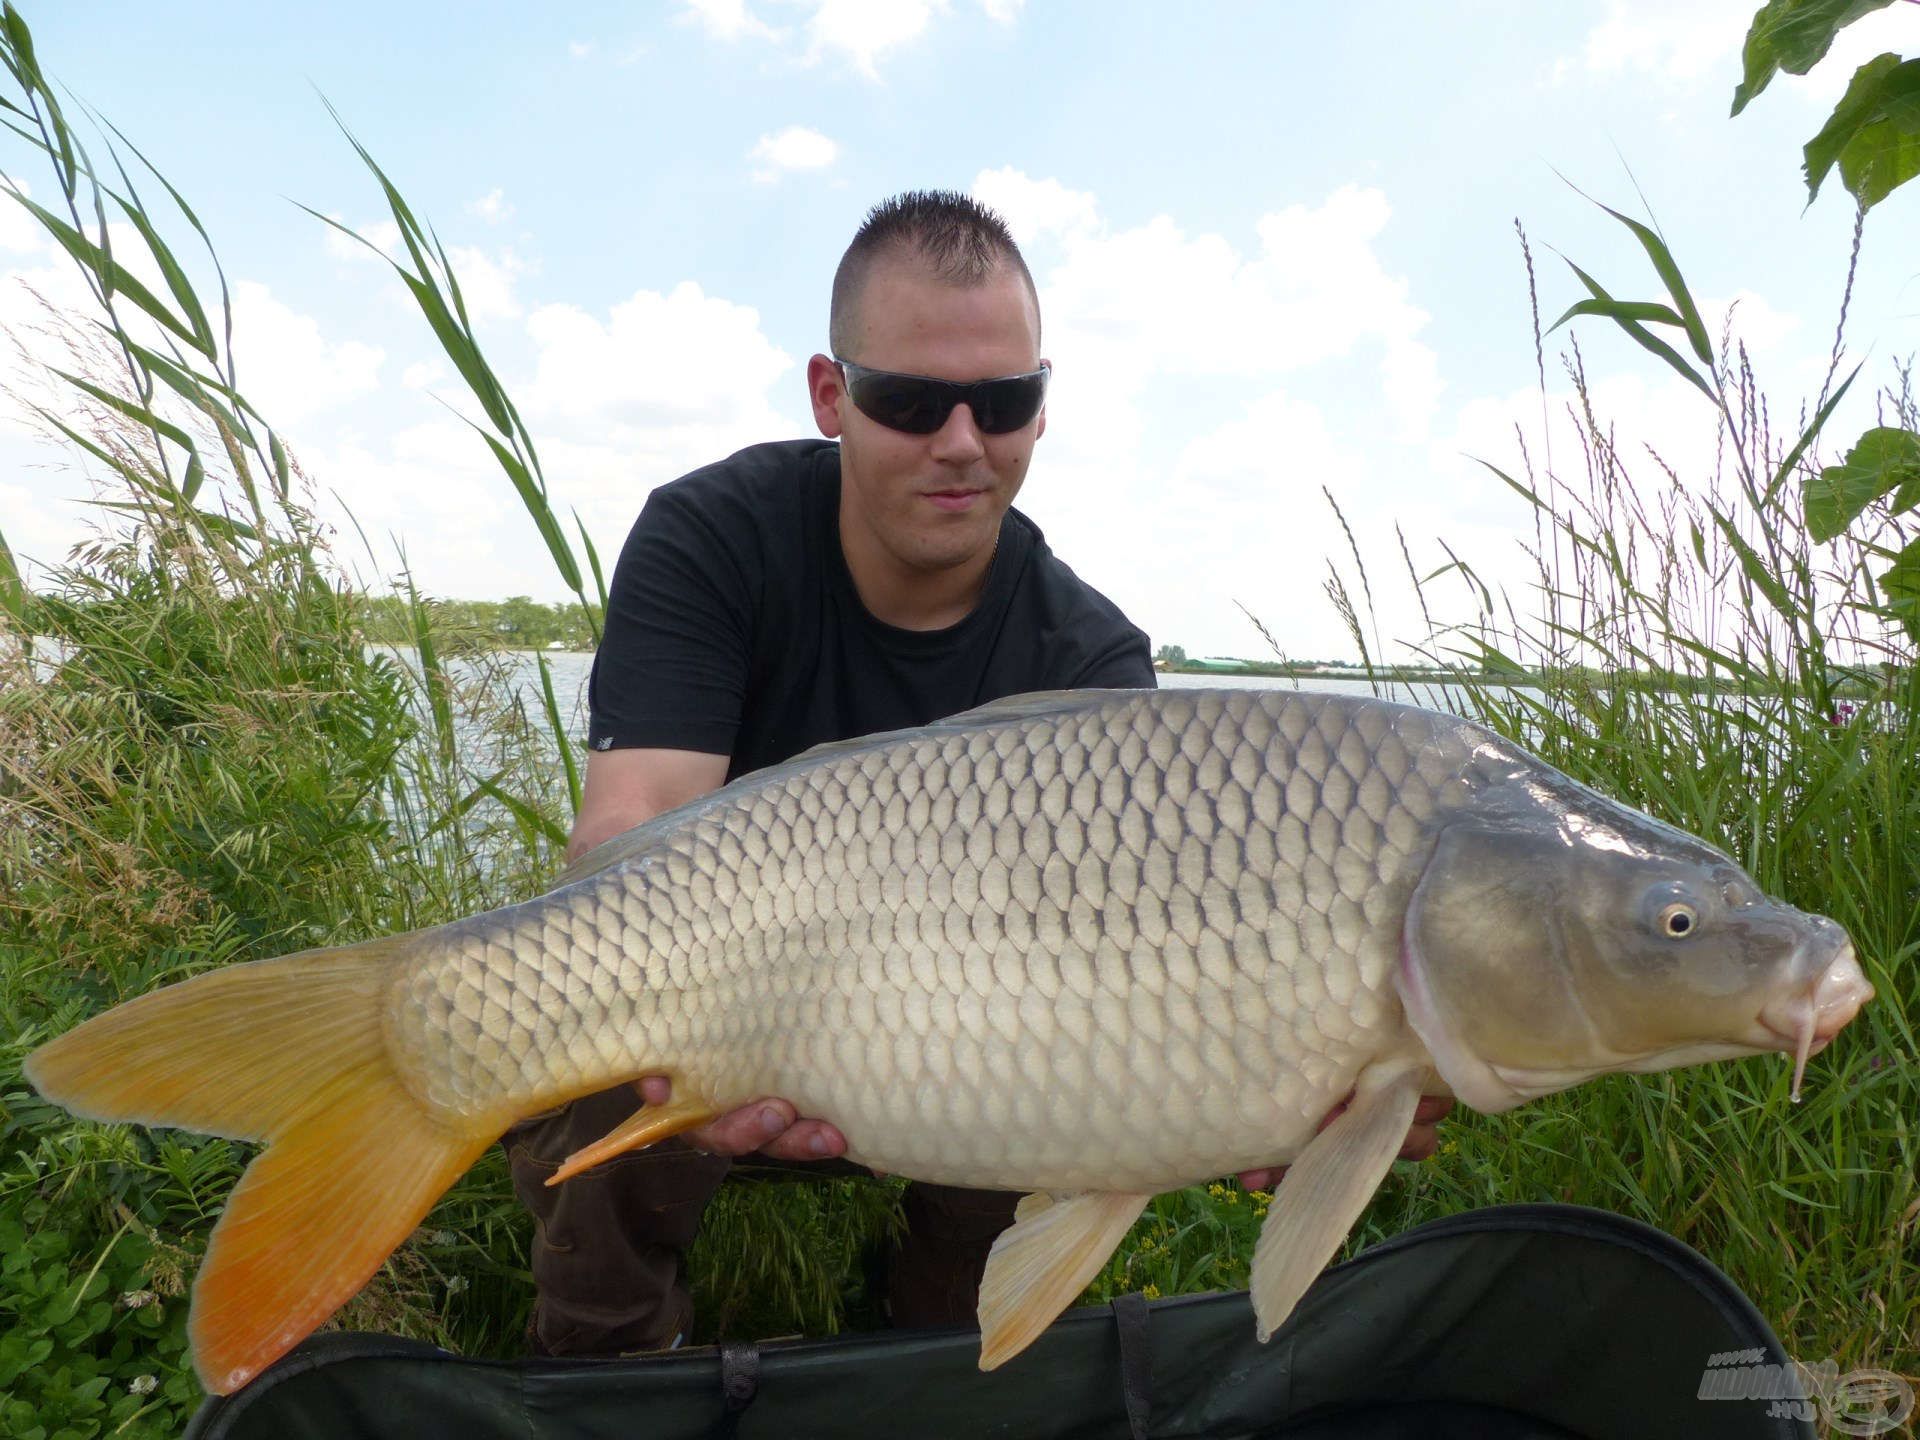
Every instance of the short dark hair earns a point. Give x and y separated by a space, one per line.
958 240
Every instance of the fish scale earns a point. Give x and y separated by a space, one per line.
916 937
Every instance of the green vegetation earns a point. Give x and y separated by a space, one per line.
517 623
204 760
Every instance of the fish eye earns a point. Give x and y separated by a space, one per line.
1678 921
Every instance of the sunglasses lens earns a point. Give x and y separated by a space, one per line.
903 402
1002 406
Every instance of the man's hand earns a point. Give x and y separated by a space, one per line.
1422 1139
772 1127
767 1125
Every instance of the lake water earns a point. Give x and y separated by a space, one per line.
570 670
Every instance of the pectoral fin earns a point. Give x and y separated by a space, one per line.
1039 1266
1324 1192
646 1126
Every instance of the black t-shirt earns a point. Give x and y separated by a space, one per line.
733 626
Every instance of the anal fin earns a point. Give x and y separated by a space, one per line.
1039 1266
1324 1191
646 1126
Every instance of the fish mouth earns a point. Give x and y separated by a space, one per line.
1805 1022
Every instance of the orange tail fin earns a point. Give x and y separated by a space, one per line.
292 1052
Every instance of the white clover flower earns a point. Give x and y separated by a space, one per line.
142 1384
138 1299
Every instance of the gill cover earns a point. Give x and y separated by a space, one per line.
1479 967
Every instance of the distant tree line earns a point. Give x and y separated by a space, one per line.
517 623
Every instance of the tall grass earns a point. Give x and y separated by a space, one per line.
202 761
1702 656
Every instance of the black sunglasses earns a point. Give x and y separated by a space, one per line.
920 404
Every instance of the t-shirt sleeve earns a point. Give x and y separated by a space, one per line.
671 671
1118 660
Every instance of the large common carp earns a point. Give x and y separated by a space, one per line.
1089 945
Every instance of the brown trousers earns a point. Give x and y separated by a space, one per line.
609 1246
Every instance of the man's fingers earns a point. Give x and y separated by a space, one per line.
742 1131
768 1125
808 1140
1261 1179
654 1089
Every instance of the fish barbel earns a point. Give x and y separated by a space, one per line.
1090 945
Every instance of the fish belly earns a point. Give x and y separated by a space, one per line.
1114 940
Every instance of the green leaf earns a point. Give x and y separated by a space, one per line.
1901 584
536 503
1873 133
1808 436
196 389
599 580
13 591
1646 310
1858 108
176 277
1793 35
1669 273
1882 461
1644 336
129 409
282 471
1764 580
530 818
113 277
557 728
431 671
1882 157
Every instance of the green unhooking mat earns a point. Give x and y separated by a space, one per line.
1524 1322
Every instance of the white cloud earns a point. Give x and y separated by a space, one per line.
579 49
1130 303
434 486
1034 209
794 148
486 281
423 374
20 233
383 235
1699 43
287 367
859 32
1679 40
39 533
862 31
728 20
656 360
491 207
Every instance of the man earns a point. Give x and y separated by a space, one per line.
803 592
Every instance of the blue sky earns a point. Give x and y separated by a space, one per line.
1274 243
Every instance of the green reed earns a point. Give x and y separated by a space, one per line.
1704 653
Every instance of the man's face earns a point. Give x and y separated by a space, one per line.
927 503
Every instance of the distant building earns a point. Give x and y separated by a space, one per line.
1217 664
